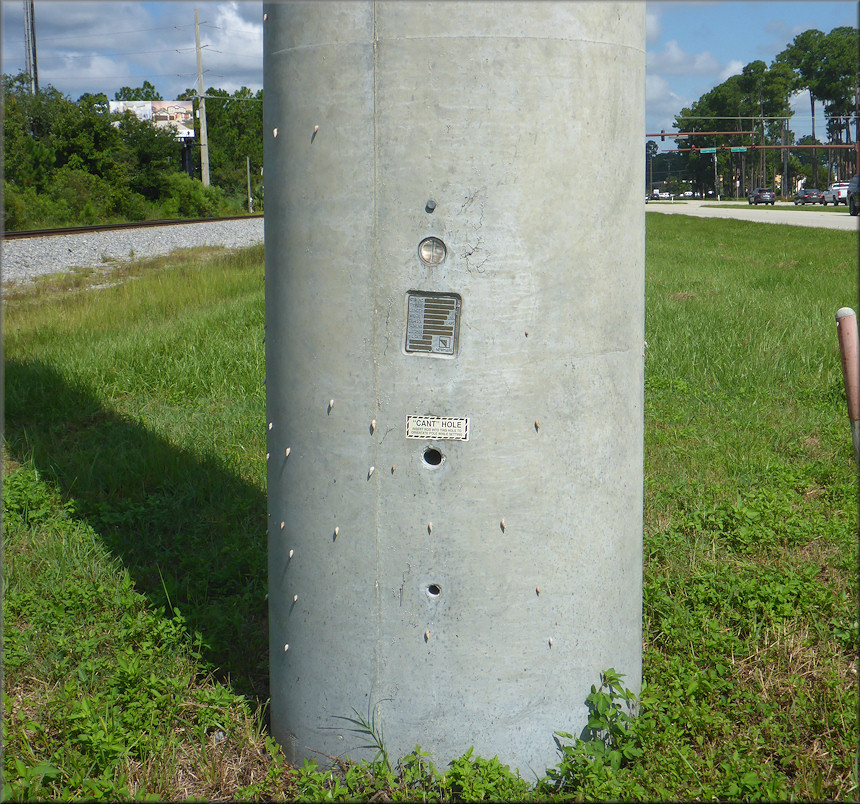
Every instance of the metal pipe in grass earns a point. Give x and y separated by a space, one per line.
846 327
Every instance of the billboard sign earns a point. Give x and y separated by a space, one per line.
177 114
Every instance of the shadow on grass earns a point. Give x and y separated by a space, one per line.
191 533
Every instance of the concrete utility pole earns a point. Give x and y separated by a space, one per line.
716 189
248 170
30 43
856 125
454 371
204 138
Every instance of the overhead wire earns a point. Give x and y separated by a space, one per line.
112 33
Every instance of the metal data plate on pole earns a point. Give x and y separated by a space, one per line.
454 352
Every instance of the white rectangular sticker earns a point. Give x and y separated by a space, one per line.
454 428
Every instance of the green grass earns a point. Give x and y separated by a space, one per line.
751 612
134 535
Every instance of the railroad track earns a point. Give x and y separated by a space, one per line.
106 227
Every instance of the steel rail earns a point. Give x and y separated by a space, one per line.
106 227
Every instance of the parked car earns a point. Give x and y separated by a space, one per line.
854 196
808 195
761 195
836 193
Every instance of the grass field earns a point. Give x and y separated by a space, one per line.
135 643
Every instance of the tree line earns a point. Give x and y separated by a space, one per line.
759 99
74 163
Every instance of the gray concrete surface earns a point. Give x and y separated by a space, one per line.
781 212
466 592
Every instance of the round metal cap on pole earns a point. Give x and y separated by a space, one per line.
454 371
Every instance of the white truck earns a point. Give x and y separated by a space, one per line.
836 193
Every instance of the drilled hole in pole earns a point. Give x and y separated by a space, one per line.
434 590
432 456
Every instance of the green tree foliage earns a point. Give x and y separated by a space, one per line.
651 150
803 56
146 155
234 125
84 139
70 162
145 93
839 88
823 64
826 66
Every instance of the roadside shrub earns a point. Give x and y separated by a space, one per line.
185 197
15 207
129 205
85 196
27 209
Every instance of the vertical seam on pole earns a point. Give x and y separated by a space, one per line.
373 278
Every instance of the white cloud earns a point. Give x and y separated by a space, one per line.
660 100
235 48
653 28
95 46
734 67
673 60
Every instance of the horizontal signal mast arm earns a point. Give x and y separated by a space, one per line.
852 145
681 134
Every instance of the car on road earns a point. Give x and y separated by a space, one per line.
854 196
836 193
808 195
761 195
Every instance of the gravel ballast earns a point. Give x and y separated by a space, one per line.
24 260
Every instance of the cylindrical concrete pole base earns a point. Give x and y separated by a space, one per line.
454 310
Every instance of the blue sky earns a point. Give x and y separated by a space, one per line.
102 45
694 46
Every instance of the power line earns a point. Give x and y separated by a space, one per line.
112 33
105 54
736 117
228 98
115 76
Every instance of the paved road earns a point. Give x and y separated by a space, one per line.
781 212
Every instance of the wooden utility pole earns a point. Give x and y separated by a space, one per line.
30 43
204 139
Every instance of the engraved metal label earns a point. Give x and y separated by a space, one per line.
432 323
434 428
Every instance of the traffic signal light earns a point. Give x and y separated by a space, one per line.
662 135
